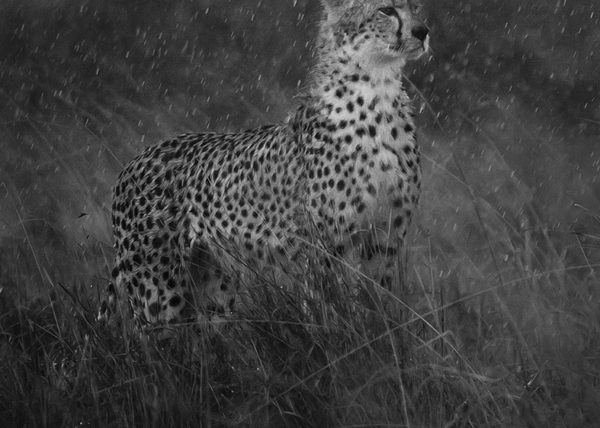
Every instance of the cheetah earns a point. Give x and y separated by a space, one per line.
191 213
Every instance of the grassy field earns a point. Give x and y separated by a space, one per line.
498 321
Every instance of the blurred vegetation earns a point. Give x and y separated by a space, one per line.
503 260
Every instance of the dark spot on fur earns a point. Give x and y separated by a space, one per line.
154 309
398 222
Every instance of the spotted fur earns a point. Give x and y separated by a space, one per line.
193 215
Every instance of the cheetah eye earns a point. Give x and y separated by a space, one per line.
389 11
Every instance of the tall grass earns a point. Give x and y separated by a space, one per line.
519 351
497 321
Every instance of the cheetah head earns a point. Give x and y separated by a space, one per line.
378 31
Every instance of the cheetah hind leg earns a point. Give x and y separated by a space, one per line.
108 305
215 295
113 308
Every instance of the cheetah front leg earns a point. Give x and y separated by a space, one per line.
374 256
381 257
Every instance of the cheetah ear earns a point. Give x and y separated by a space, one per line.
334 9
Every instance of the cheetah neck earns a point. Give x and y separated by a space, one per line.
364 105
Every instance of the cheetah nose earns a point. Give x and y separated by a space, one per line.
420 32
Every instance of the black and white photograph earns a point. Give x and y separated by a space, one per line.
300 213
